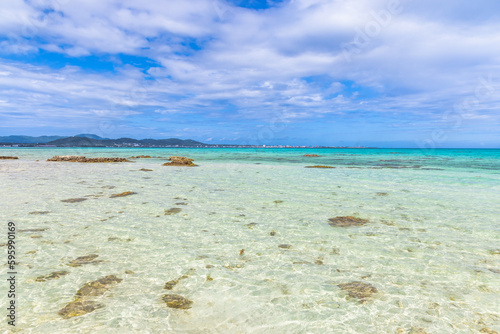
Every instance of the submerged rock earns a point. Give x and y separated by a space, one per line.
123 194
170 284
87 259
73 200
488 330
176 301
172 211
180 161
79 307
39 212
98 287
145 170
358 290
495 251
382 194
311 155
51 276
285 246
320 166
347 221
4 157
141 157
34 230
83 302
80 158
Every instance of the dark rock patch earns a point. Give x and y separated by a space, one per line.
172 211
285 246
79 158
39 212
176 301
145 170
180 161
347 221
320 166
382 194
311 155
359 290
73 200
79 307
51 276
83 302
87 259
34 230
4 157
123 194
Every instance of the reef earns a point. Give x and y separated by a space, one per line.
320 166
123 194
170 284
347 221
180 161
176 301
359 290
4 157
172 211
83 302
80 158
51 276
73 200
311 155
39 212
87 259
141 157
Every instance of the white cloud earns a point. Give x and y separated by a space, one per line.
420 61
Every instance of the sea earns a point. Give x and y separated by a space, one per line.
246 243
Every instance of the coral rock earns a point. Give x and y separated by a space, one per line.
358 290
176 301
347 221
180 161
123 194
80 158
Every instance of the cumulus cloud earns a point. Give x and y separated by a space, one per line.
308 59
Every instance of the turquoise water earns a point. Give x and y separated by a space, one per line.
430 248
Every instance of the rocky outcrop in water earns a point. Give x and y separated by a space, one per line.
73 200
359 290
320 166
176 301
83 302
87 259
51 276
4 157
123 194
180 161
80 158
347 221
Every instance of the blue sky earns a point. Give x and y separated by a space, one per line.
388 73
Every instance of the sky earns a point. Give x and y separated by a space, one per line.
385 73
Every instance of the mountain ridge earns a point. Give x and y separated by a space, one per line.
91 140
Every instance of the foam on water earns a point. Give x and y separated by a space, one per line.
429 248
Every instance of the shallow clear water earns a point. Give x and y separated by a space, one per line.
429 248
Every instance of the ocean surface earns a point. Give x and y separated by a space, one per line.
249 241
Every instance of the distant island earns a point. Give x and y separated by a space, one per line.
91 140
